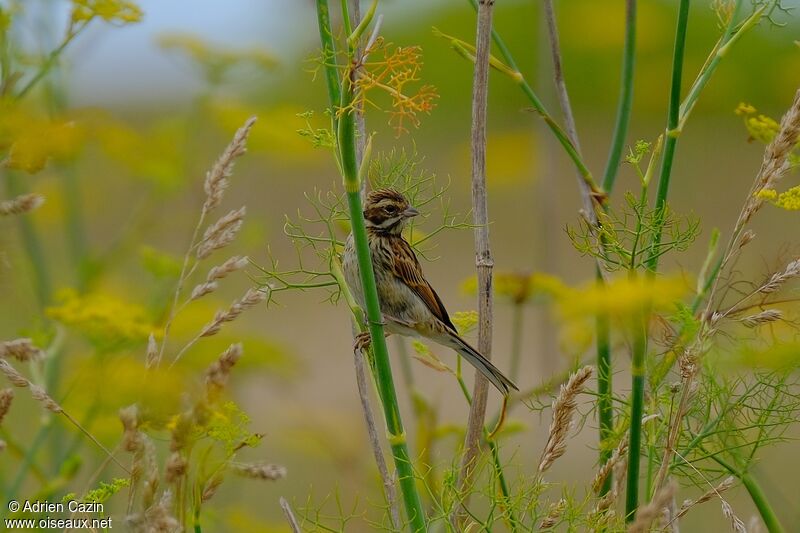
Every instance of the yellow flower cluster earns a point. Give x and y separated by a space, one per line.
789 200
32 140
115 11
106 321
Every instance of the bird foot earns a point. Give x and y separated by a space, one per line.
363 340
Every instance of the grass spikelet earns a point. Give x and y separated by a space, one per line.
776 158
38 393
648 513
202 289
736 523
775 282
714 491
6 397
554 512
605 470
563 408
251 298
217 178
221 233
764 317
20 349
176 467
151 357
217 374
268 472
233 264
21 204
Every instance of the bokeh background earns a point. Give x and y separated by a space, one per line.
161 99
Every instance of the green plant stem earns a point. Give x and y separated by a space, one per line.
637 410
673 119
33 246
346 136
329 58
33 448
756 494
762 504
605 407
625 98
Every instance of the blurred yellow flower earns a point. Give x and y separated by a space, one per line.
154 155
32 140
115 11
622 297
106 321
520 287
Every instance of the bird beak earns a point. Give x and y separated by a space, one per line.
410 212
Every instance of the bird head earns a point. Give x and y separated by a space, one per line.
387 210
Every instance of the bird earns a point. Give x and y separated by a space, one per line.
409 305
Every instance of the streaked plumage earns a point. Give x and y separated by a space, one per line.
409 304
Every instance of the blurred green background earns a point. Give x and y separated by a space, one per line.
159 100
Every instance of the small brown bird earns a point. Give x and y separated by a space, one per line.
409 304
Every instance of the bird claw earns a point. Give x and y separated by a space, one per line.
363 340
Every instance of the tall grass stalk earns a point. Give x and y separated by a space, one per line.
346 142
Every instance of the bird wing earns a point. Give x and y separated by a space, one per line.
406 267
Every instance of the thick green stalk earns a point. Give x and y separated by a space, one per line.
673 119
329 58
346 136
605 407
637 410
762 504
604 367
625 98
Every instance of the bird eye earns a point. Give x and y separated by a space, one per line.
391 209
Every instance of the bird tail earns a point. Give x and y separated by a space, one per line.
481 364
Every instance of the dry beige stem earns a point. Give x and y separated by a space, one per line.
21 204
217 178
563 408
221 233
267 472
20 349
647 513
211 487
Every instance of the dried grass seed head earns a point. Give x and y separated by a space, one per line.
563 408
217 178
21 204
21 349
